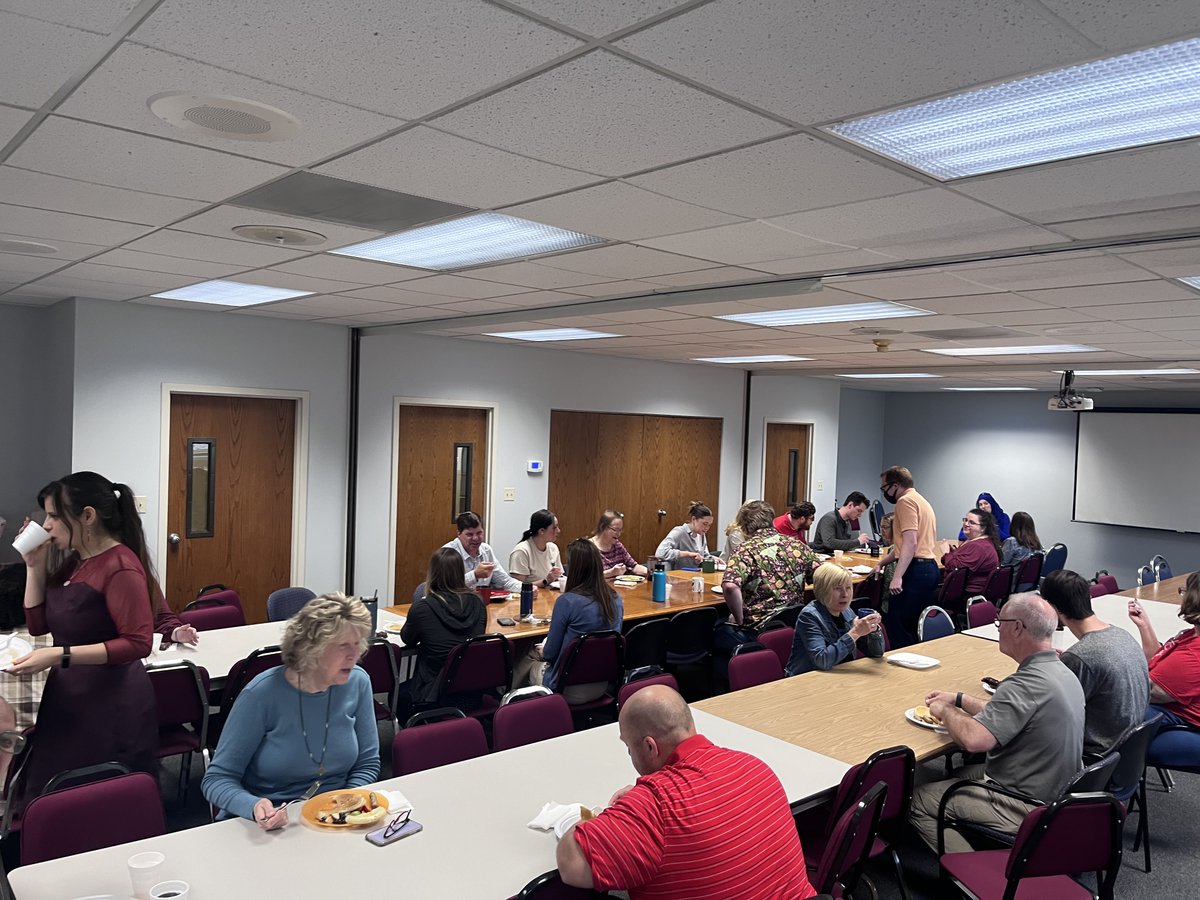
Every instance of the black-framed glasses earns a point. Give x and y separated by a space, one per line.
397 823
999 620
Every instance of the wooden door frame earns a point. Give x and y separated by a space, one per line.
762 467
299 467
394 490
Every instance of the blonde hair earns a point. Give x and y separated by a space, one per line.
827 578
318 624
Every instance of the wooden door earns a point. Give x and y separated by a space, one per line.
681 463
229 501
785 465
442 469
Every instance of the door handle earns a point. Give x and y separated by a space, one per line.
173 539
662 513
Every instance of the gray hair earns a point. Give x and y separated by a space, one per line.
317 625
1038 616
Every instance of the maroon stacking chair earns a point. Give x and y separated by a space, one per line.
476 674
952 595
241 673
1096 590
779 642
1029 573
981 611
531 719
757 667
591 658
999 585
644 677
212 618
437 737
1108 582
382 665
894 767
869 593
549 886
181 691
1076 833
849 845
90 816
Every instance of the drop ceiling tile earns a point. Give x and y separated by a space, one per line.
745 242
270 311
323 305
1184 328
1173 262
275 278
52 226
916 286
37 57
404 59
824 263
151 281
1139 312
973 304
472 307
624 261
780 176
431 163
566 116
528 274
716 275
398 296
25 297
19 268
63 249
220 222
1176 219
598 19
26 188
101 16
976 240
622 211
118 91
357 271
1160 349
1097 295
1065 270
630 288
212 249
1033 318
825 60
157 262
11 121
102 155
391 317
466 288
96 290
1116 26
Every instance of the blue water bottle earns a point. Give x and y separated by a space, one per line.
526 600
658 584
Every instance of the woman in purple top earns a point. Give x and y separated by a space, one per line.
607 539
979 554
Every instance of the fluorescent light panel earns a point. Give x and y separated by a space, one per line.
552 334
766 358
1014 351
819 315
1124 101
992 389
470 241
1079 372
1191 281
890 375
231 293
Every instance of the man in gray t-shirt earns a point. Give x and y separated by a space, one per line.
1107 660
1031 731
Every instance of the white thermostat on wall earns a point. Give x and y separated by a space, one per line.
535 467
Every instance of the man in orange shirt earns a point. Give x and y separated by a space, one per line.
915 553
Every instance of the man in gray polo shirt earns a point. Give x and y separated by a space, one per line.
1107 660
1031 730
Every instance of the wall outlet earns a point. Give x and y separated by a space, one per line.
510 494
820 485
140 503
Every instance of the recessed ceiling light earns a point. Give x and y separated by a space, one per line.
989 389
889 375
818 315
1014 351
552 334
231 293
1134 372
470 241
1191 281
1123 101
765 358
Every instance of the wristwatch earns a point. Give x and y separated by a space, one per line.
65 662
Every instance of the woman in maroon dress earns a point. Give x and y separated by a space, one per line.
98 704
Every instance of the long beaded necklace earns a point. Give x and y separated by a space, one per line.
319 763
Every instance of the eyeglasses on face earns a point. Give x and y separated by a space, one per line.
999 620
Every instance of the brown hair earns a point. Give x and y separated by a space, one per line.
897 475
1022 529
585 576
1189 606
446 574
755 516
606 519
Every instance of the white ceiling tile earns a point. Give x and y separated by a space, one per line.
357 271
212 249
118 91
11 121
1115 25
712 276
389 317
472 307
824 263
1173 262
96 290
624 261
745 242
1139 312
404 59
618 210
915 286
270 311
66 195
220 222
1183 328
618 289
1035 318
532 275
398 296
120 159
340 305
94 15
152 281
19 268
43 224
1088 296
37 57
776 177
598 19
533 299
1175 219
156 262
1059 271
431 163
566 116
460 286
275 278
63 249
973 304
827 59
974 239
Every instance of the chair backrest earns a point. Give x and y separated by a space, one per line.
748 669
242 672
784 615
691 631
212 618
418 747
181 693
1162 568
1145 575
596 656
646 644
1127 774
934 622
1109 582
531 720
418 592
999 584
850 842
632 686
549 886
1096 590
286 602
223 596
382 665
81 818
1076 833
478 665
516 695
1094 777
877 515
867 593
1029 573
981 611
896 767
953 589
779 642
1056 558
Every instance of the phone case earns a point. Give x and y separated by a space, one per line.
506 621
376 837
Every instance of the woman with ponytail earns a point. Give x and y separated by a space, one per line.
536 560
100 604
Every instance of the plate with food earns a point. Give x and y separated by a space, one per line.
393 627
990 684
629 580
920 715
13 650
349 808
582 814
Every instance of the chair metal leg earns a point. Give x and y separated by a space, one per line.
1165 777
899 875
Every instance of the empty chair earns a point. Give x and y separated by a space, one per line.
382 665
81 818
212 617
181 693
779 642
592 664
690 635
437 737
868 593
999 585
644 677
1029 573
1128 780
877 515
981 611
934 622
1056 558
476 674
749 669
1076 833
1096 590
1108 582
952 594
850 843
646 644
1162 568
286 602
529 720
1145 575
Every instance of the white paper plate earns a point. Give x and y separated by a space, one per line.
913 661
12 650
860 569
570 819
717 589
393 627
911 715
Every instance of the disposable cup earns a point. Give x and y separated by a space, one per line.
31 538
170 890
145 871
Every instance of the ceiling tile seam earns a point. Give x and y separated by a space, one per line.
31 18
108 186
620 33
80 215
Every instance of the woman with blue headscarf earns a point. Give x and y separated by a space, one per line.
988 504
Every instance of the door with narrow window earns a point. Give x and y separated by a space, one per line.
785 465
230 488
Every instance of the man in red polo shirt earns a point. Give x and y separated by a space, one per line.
701 821
796 521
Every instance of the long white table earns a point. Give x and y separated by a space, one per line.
1113 609
475 843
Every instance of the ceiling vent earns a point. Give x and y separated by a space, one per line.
232 118
9 245
280 236
969 334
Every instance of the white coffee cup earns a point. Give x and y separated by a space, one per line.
145 871
839 553
697 585
170 890
561 584
31 538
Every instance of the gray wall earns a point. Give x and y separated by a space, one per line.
861 422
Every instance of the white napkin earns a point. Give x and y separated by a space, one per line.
397 802
553 813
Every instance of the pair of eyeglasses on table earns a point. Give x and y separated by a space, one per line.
397 823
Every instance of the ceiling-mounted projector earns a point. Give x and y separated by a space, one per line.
1068 399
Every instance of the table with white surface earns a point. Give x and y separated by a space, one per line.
1113 609
475 842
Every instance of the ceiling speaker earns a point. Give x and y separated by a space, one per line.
232 118
280 236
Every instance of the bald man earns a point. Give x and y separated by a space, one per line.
701 821
1031 730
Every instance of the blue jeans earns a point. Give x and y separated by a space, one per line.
919 584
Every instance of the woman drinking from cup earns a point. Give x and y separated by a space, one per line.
827 630
535 560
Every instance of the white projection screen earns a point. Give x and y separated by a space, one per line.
1139 468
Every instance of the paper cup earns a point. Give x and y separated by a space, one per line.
697 585
561 584
145 871
839 553
170 890
31 538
